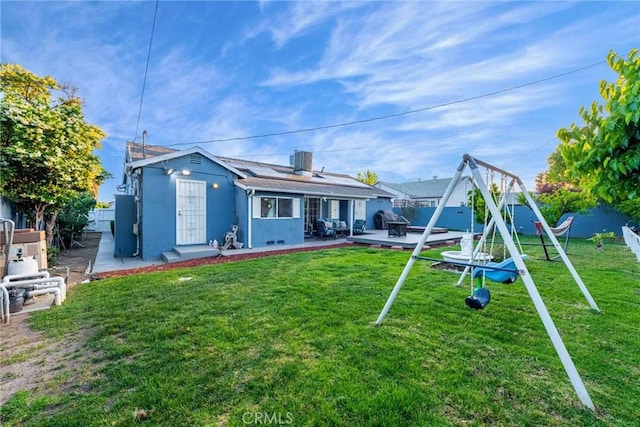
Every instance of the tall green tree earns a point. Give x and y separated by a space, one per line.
476 200
367 177
46 146
603 155
557 194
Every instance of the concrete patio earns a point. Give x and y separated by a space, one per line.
105 261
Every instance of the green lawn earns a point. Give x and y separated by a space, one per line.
291 340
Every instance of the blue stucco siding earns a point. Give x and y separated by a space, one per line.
226 205
278 231
375 205
158 202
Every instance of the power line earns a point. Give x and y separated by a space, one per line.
395 144
146 69
389 116
527 154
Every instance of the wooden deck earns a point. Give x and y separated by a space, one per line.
381 237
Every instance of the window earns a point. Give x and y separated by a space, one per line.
334 208
268 207
285 208
278 207
360 209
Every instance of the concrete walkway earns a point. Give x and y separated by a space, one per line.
105 261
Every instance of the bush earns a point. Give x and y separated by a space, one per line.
74 217
52 256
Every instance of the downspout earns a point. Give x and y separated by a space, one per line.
250 194
136 193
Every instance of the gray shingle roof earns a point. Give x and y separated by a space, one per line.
277 178
311 188
135 151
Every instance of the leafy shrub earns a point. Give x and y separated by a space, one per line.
52 256
74 217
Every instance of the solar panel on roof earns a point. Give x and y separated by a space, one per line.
342 180
258 170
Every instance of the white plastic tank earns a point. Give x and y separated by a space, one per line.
27 265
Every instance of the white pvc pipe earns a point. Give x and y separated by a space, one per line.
5 303
43 274
43 283
250 203
56 291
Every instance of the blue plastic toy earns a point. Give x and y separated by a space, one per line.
501 272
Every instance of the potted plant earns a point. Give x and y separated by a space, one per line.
598 239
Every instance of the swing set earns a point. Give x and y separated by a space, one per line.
506 271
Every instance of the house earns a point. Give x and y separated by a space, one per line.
174 198
427 193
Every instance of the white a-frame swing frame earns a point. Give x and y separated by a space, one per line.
552 331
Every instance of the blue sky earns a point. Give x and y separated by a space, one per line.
221 70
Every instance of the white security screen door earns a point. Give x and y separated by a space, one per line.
360 209
334 209
191 214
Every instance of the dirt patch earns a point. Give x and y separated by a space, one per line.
79 259
30 361
33 362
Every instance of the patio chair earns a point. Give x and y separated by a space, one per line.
340 227
359 225
325 230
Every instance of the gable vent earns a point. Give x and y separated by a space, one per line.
195 159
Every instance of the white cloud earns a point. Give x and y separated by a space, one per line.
297 19
302 65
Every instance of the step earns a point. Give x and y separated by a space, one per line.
183 253
170 257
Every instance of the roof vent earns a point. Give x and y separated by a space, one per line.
303 163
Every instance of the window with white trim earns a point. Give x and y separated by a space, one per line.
277 207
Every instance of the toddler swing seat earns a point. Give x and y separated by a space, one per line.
479 299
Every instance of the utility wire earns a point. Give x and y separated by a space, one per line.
394 144
146 69
389 116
